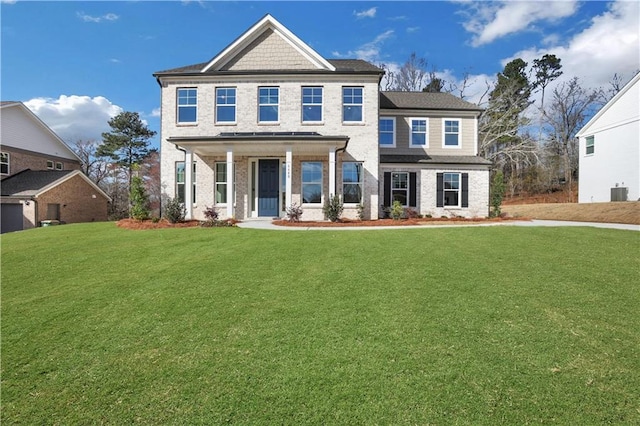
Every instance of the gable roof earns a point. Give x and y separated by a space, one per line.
267 23
609 104
309 61
425 101
32 183
38 122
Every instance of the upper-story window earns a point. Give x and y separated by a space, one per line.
450 133
591 145
419 133
4 163
312 104
59 166
187 105
387 131
352 104
50 165
226 104
268 104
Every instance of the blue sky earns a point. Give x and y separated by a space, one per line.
77 63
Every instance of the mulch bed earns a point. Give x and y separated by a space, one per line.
163 223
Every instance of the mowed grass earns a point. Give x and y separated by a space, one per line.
487 325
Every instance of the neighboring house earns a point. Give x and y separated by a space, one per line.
609 149
268 123
41 177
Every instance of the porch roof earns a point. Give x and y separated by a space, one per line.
261 143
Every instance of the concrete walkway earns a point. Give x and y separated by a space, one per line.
267 224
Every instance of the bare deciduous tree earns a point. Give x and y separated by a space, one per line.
570 106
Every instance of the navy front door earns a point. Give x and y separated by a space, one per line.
268 187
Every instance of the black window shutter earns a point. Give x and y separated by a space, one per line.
387 189
440 190
412 189
465 190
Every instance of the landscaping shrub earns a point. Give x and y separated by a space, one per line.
139 200
333 208
174 210
294 213
497 194
396 211
360 211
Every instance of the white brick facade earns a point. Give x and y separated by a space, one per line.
268 56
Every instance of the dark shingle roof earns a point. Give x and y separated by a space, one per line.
342 66
30 182
425 100
434 159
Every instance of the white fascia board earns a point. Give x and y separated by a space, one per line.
252 33
584 131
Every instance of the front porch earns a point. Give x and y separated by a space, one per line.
252 175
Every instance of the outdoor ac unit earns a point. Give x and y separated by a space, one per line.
619 194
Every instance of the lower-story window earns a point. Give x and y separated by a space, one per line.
351 182
312 182
180 181
452 190
221 183
400 187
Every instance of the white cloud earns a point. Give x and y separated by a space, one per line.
411 30
609 45
106 17
369 13
75 117
490 21
369 51
8 1
155 112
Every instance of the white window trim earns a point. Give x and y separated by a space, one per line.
8 162
302 120
393 144
361 183
407 189
444 133
459 190
361 106
426 132
186 123
235 106
277 105
586 146
51 165
302 183
216 183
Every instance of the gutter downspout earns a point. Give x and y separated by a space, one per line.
343 149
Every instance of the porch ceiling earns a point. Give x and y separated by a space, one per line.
261 144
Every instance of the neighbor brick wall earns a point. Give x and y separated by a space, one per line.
20 160
79 202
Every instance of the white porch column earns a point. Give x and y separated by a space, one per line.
287 183
188 184
230 183
332 172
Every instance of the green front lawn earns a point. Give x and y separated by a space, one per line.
498 325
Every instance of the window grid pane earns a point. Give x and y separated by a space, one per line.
311 182
312 104
187 105
418 132
386 131
268 104
451 189
226 104
352 103
451 132
351 182
221 183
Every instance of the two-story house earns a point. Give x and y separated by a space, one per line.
41 176
268 123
